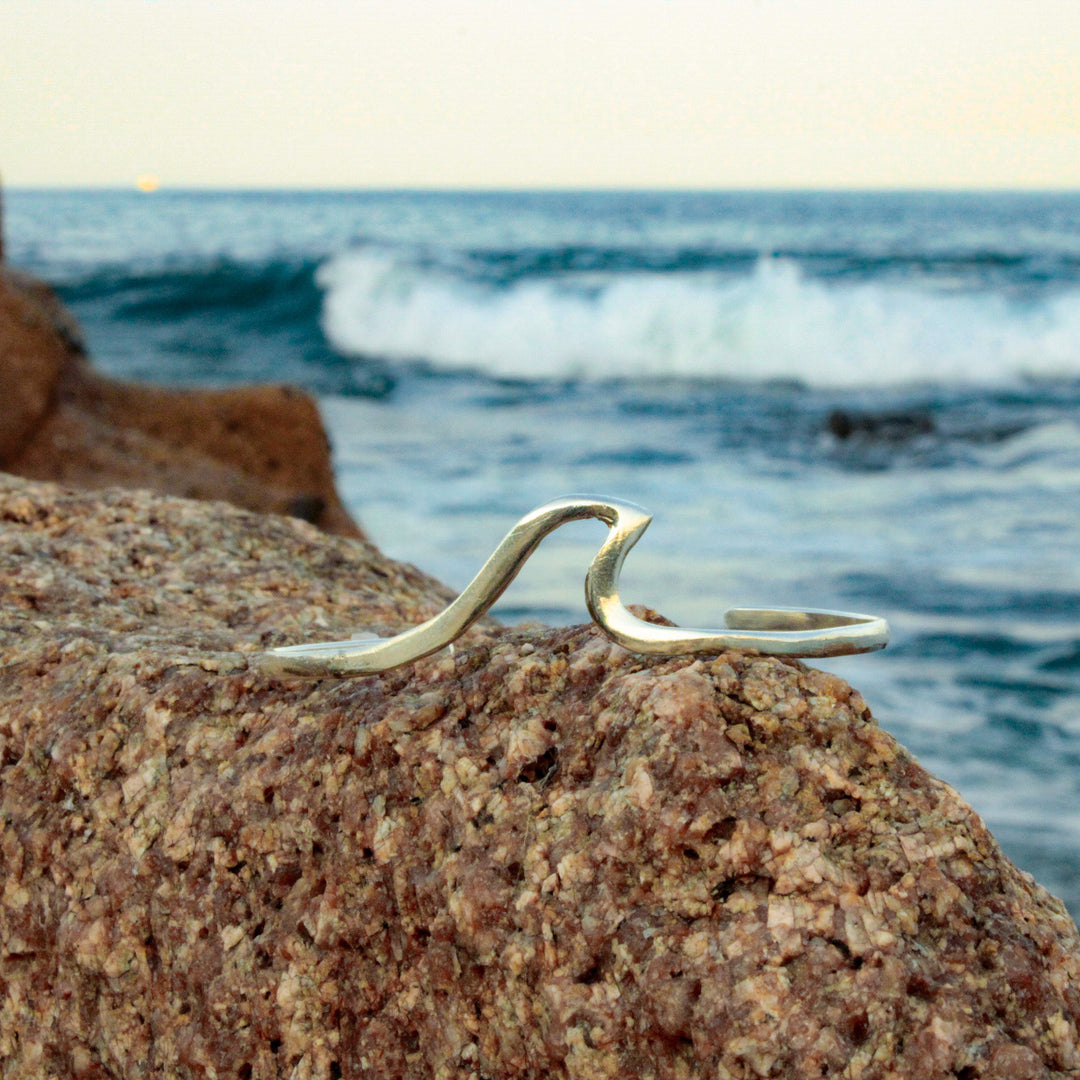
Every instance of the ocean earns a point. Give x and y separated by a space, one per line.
860 401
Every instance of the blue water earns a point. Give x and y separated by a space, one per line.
862 401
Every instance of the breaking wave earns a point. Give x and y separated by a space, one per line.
732 316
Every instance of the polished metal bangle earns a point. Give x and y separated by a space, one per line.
773 631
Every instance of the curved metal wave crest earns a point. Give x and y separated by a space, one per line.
773 631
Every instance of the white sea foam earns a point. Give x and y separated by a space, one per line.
775 323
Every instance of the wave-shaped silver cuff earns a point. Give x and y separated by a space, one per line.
773 631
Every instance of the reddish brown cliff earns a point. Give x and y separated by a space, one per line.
262 448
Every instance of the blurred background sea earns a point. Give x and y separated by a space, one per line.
857 401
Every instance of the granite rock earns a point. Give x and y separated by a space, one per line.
535 855
263 448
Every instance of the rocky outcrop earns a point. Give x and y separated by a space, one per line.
262 448
536 855
33 353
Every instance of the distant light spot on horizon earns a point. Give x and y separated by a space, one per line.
147 182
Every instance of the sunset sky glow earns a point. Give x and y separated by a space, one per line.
541 93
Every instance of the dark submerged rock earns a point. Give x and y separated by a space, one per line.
888 427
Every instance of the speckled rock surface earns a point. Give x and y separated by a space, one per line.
538 856
259 447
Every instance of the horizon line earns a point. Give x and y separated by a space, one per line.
542 189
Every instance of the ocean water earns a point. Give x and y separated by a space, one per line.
858 401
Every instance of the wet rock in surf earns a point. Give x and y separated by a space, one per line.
889 427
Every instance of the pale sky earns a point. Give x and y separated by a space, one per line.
541 93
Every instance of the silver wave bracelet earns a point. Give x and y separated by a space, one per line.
772 631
